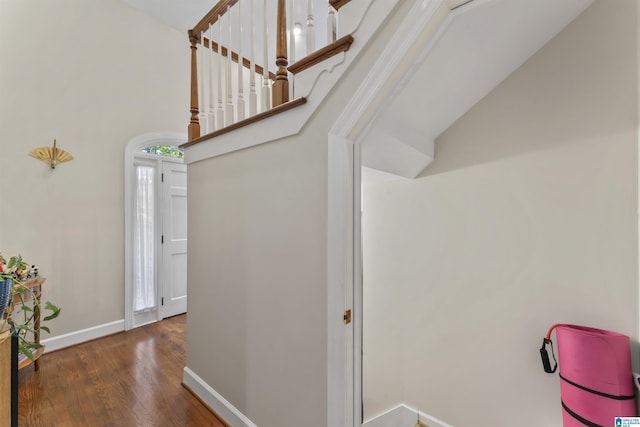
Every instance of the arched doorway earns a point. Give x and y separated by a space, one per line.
155 228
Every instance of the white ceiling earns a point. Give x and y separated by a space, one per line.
485 41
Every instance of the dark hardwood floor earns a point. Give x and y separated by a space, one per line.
128 379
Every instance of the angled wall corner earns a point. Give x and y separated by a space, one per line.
391 154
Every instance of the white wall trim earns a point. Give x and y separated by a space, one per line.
344 281
339 282
390 68
403 416
219 404
134 146
83 335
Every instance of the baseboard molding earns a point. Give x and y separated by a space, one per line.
403 416
225 410
78 337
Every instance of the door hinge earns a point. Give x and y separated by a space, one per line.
162 239
346 317
162 177
162 301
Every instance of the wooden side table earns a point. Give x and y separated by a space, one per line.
8 380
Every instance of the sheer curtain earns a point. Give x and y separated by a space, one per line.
144 242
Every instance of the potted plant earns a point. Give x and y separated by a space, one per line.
13 291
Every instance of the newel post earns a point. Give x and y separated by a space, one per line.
194 125
280 88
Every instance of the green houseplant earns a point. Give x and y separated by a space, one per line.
13 291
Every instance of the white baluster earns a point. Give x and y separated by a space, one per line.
331 25
240 67
228 112
211 125
292 34
266 93
311 31
201 85
253 98
220 111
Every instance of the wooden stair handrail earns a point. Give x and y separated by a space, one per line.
242 123
341 45
234 57
337 4
212 16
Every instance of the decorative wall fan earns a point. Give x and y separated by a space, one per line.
52 156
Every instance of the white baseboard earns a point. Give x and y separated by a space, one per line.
403 416
77 337
219 404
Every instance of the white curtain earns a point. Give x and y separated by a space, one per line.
144 244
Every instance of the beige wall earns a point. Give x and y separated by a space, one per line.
527 217
93 75
257 275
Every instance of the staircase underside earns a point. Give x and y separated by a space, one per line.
248 121
475 47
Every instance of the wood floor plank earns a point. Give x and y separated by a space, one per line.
128 379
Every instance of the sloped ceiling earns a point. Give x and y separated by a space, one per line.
483 42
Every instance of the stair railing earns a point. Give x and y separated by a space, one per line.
227 83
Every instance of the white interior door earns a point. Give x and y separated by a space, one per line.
174 239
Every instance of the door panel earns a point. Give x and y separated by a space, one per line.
174 248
